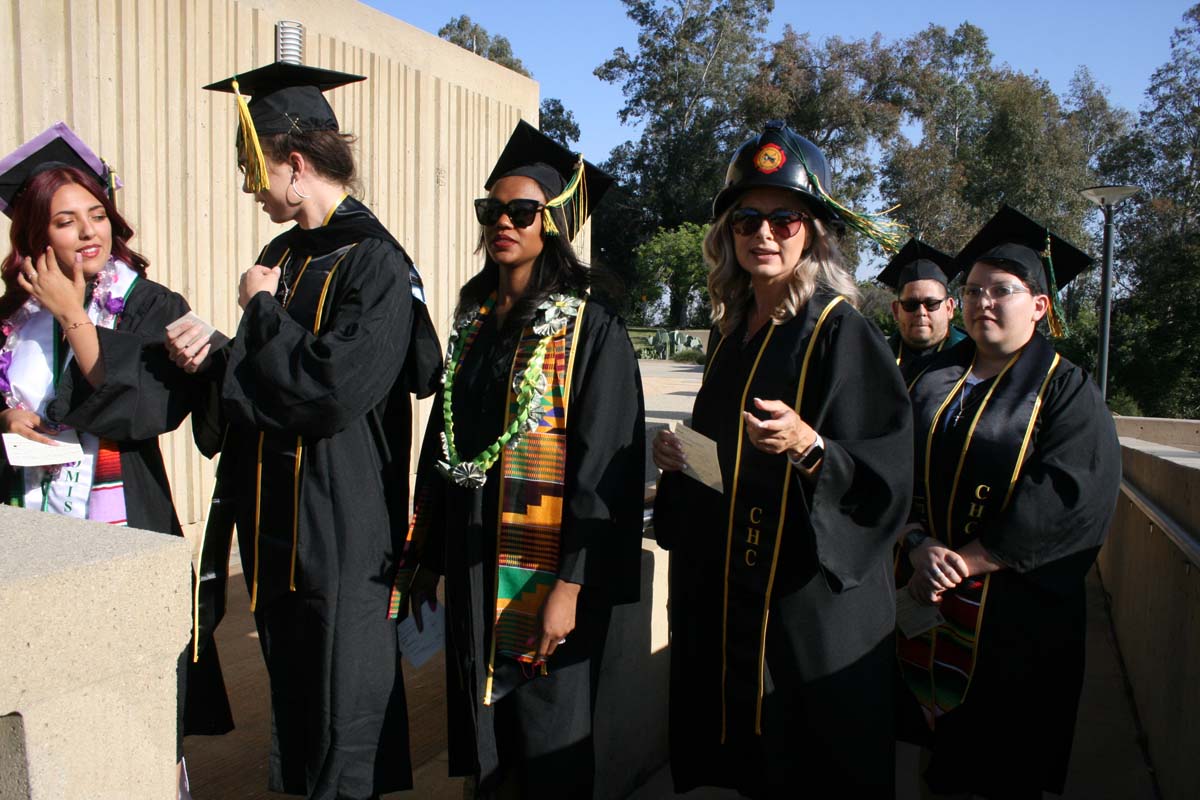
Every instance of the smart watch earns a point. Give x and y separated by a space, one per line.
810 457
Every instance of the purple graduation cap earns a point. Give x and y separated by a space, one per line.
58 145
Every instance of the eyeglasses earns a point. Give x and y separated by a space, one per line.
784 224
930 303
997 294
521 212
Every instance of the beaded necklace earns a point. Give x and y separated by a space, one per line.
530 386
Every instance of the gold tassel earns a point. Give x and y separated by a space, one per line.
1055 318
249 148
879 228
574 193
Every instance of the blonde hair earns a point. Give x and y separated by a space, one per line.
820 266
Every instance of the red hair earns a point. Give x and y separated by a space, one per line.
30 231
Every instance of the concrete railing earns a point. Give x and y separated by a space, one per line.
92 621
1150 566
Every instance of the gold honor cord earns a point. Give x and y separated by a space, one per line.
712 358
962 457
737 469
787 482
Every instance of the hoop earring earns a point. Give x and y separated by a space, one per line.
296 189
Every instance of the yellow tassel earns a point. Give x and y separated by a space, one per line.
575 193
249 147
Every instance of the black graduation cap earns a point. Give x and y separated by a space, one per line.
571 183
1029 250
56 146
917 261
284 98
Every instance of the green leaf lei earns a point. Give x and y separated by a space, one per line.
530 388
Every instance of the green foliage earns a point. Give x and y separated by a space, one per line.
875 303
558 122
474 37
689 357
1155 359
670 270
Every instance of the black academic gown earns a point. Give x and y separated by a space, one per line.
1015 728
143 396
913 362
314 471
541 727
825 726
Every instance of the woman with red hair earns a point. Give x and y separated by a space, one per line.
82 359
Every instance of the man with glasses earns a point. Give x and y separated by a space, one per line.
923 308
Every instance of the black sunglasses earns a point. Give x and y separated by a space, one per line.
784 224
930 303
521 212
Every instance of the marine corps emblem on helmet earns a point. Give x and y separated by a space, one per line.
769 158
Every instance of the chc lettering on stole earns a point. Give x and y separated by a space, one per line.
752 536
981 494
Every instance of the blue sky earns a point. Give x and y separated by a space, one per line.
1121 42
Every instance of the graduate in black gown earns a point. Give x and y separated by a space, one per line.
314 469
530 486
920 276
781 602
1018 469
81 347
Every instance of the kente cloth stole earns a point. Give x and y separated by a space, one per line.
531 501
758 505
985 450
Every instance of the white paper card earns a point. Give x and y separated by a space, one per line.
24 452
420 646
913 618
207 330
700 453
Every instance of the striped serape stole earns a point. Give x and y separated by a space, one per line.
937 665
531 499
106 503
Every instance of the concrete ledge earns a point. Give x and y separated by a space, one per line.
1183 433
1155 597
94 619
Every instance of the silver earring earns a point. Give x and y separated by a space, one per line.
296 188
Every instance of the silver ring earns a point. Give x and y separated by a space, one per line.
935 569
562 641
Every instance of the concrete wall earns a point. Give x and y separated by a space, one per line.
1183 433
92 622
1150 565
126 75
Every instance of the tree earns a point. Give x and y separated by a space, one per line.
671 266
474 37
1156 326
683 83
558 122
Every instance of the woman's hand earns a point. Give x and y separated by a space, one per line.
935 570
24 423
188 347
668 452
783 432
557 618
422 590
258 279
54 291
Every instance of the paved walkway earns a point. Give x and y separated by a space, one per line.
1107 763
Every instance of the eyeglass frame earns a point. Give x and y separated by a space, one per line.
740 221
931 304
484 205
974 294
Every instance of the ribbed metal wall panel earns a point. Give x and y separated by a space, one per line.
126 74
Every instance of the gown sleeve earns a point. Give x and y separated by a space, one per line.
144 394
1068 488
605 469
282 377
859 406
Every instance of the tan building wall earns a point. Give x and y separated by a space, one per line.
126 75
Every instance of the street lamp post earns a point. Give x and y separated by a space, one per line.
1107 197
